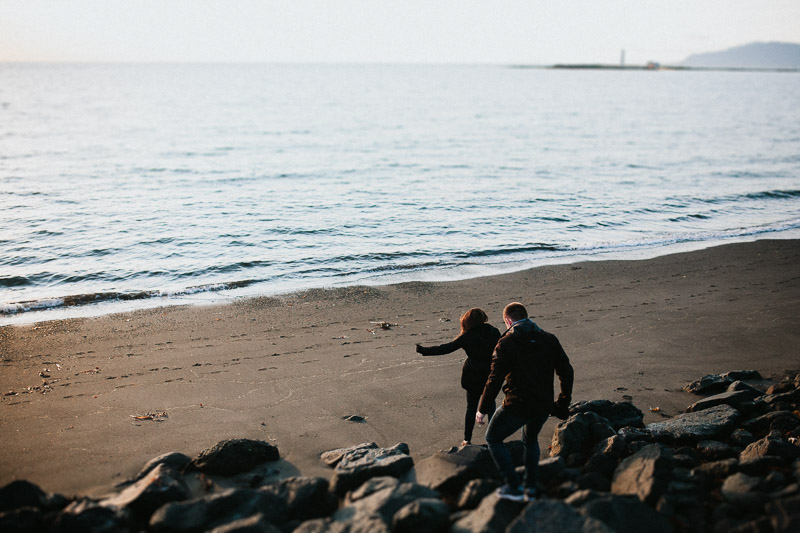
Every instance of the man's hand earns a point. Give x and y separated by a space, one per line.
480 418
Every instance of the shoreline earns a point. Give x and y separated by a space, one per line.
79 306
288 369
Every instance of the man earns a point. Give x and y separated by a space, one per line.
525 358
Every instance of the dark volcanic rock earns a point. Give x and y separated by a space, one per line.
774 420
86 515
448 471
218 510
784 514
176 460
626 514
579 433
425 515
726 398
22 493
713 383
158 487
475 491
645 474
234 456
775 446
618 414
714 450
333 457
256 523
382 504
22 520
741 489
708 424
357 466
305 497
492 515
553 515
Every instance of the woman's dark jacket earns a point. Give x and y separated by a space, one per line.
479 344
526 358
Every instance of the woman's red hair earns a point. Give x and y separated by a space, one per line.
472 319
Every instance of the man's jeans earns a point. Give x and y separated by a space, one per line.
502 425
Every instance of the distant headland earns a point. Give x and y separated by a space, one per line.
772 56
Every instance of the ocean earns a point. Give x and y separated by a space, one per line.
131 186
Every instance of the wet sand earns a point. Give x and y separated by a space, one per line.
288 370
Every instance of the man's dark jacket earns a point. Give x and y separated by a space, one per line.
479 343
526 358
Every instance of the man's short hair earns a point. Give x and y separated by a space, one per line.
515 311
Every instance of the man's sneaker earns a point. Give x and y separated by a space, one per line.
507 492
530 494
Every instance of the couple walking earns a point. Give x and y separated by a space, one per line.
525 357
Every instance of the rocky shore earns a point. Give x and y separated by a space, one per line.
730 462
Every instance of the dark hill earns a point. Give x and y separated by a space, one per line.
755 55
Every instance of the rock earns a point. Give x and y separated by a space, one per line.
492 515
551 469
581 497
775 420
775 446
256 523
761 466
218 510
741 489
159 486
626 514
711 423
475 491
645 474
741 437
22 520
593 481
382 504
781 387
333 457
176 460
86 515
742 375
553 515
717 469
743 386
305 497
790 397
714 450
618 414
726 398
21 493
358 466
448 471
784 514
579 433
371 486
425 515
710 383
230 457
613 447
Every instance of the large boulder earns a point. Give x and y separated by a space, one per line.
784 514
733 399
626 514
713 383
365 506
21 493
448 471
492 515
305 497
357 466
554 515
159 486
743 490
332 457
579 434
709 424
773 421
770 446
87 515
176 460
220 509
475 491
425 515
618 414
646 474
234 456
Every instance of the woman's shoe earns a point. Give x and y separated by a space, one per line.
465 443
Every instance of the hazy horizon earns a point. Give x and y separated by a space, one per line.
385 32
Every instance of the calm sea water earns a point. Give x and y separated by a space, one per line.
126 186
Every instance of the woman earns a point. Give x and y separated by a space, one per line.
478 339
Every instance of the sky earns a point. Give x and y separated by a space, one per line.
537 32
